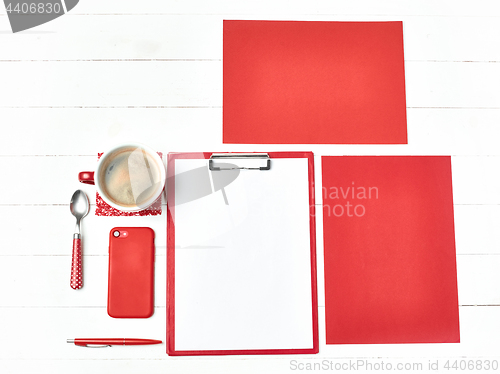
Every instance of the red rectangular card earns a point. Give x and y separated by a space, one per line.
390 262
313 82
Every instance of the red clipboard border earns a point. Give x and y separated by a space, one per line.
171 260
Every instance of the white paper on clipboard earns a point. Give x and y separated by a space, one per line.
243 269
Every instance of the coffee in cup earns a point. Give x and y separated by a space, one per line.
129 177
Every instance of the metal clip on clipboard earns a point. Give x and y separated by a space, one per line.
240 156
235 168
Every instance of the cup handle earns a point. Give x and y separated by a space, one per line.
86 177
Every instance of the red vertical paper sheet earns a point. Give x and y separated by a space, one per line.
390 262
313 82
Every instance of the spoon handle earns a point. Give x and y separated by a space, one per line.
76 264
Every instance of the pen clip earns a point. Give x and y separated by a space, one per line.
93 345
84 345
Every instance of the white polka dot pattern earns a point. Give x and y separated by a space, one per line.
76 265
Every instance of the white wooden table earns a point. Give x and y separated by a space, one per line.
151 71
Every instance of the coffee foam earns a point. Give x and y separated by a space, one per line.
129 177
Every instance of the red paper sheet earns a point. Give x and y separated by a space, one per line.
314 82
390 263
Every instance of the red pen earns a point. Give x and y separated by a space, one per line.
101 343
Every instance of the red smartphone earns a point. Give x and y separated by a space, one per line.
131 272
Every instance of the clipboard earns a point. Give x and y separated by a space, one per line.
241 254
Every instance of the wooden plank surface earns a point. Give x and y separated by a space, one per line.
119 70
83 131
188 84
478 341
199 36
56 179
44 281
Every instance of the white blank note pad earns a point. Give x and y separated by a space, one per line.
243 262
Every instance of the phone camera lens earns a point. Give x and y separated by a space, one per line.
116 233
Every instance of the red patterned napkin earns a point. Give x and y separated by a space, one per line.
104 209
